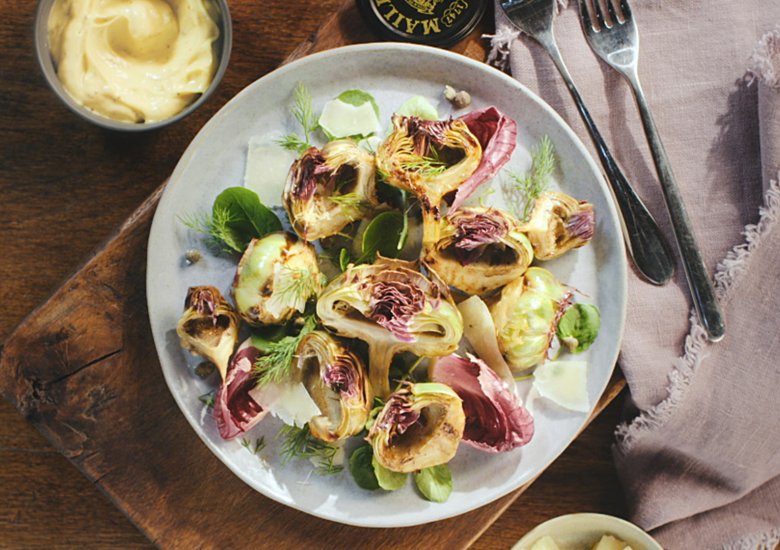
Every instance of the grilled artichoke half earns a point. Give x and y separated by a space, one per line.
393 307
428 158
527 315
327 190
475 249
209 326
336 381
559 223
420 426
275 277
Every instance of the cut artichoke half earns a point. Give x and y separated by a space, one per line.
275 278
336 380
209 326
475 249
428 158
393 307
329 189
526 317
420 426
559 223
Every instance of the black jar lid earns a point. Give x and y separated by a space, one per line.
433 22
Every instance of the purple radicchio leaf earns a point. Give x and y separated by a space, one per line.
496 420
497 134
393 304
234 409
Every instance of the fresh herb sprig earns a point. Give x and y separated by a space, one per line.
299 443
275 363
524 190
303 113
237 217
258 446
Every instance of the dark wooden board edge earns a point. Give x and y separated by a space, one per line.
36 388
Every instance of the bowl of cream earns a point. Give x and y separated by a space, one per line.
133 65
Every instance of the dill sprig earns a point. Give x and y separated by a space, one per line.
303 113
292 142
349 200
258 446
275 364
524 190
215 226
299 443
293 286
430 165
208 399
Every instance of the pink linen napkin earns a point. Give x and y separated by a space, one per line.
700 459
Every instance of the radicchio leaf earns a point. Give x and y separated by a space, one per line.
496 420
497 134
234 408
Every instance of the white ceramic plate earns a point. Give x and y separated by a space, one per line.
216 160
582 531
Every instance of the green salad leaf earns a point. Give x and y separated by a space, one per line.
387 479
435 483
420 107
362 469
579 327
237 217
385 234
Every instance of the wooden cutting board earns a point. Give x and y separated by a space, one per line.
83 369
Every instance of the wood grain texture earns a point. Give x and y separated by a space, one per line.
97 393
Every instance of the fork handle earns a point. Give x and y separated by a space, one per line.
646 245
702 293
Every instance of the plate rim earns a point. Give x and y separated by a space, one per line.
191 150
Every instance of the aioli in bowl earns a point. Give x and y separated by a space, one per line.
141 61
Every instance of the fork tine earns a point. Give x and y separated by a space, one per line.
585 16
599 15
625 9
612 13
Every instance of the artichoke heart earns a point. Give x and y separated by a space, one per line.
559 223
527 315
275 278
476 249
327 190
336 380
394 308
428 158
209 326
420 426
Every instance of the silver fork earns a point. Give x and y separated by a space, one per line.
644 241
616 41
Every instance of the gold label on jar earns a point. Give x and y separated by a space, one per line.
425 18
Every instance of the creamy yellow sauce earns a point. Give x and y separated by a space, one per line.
134 60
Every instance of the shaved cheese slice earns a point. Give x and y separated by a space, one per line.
479 330
267 165
564 383
287 401
341 119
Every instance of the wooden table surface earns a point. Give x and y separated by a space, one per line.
66 185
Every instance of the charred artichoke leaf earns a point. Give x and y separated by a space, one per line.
476 249
209 326
420 426
336 380
559 223
496 420
428 158
497 135
526 317
235 410
327 190
275 278
393 307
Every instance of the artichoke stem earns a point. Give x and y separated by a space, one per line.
379 358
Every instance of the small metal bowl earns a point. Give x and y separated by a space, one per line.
223 46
